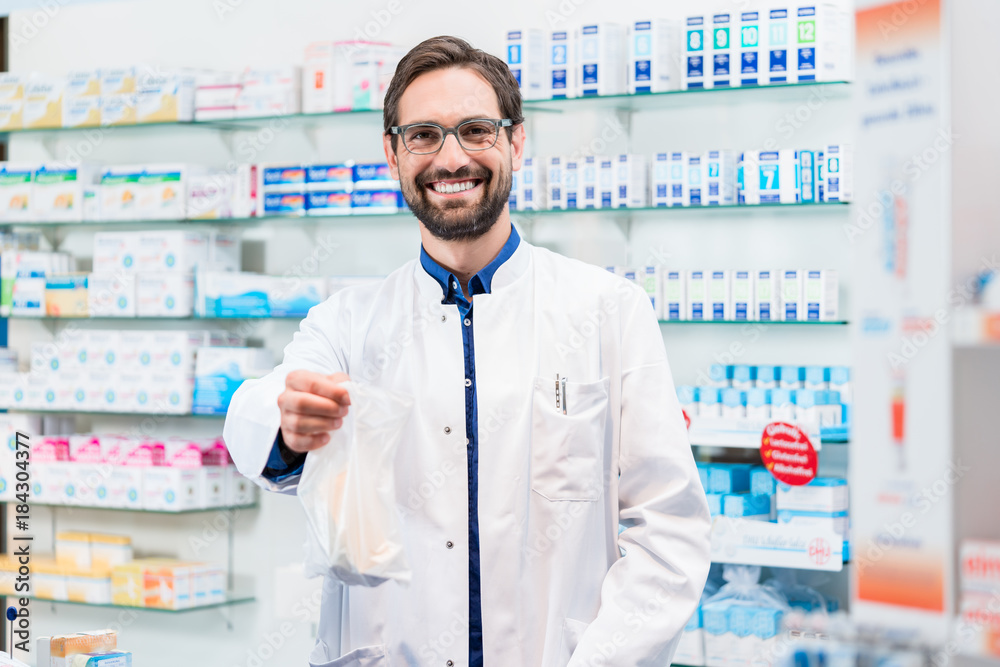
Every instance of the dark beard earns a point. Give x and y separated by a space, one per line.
478 219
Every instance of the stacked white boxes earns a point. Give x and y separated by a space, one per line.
654 56
561 65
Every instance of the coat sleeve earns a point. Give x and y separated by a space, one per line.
253 419
650 593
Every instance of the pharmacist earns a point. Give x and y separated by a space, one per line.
545 416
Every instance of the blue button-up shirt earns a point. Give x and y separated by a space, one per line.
480 283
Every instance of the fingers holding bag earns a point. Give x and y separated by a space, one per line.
312 405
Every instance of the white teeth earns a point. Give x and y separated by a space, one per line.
450 188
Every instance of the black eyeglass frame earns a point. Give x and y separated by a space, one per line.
497 123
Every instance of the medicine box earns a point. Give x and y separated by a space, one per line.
697 295
571 183
215 95
696 177
118 109
677 178
631 181
822 494
674 296
561 65
654 56
43 96
778 176
526 59
837 522
16 192
58 191
164 294
660 180
747 506
821 296
720 178
838 170
602 66
729 478
532 195
793 306
750 48
720 296
219 371
165 97
743 304
170 488
767 296
779 33
120 193
697 53
723 65
588 168
161 192
823 42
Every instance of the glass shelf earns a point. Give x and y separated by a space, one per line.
639 102
767 323
403 215
652 101
139 510
193 318
108 413
231 599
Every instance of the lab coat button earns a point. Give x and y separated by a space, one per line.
450 663
444 318
467 321
449 544
468 382
447 430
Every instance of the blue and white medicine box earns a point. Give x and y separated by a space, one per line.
330 178
324 203
373 177
696 51
374 202
762 482
747 506
219 371
822 494
729 478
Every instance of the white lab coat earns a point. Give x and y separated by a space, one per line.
552 487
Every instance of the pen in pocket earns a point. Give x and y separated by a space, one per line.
564 395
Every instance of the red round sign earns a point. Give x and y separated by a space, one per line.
787 452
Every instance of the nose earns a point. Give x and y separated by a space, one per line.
452 156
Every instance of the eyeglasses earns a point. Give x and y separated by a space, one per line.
477 134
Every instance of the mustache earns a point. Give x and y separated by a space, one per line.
466 172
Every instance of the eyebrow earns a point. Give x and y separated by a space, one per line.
434 122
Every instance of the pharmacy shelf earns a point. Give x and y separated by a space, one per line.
52 319
107 413
785 93
231 600
139 510
763 323
746 542
406 215
746 433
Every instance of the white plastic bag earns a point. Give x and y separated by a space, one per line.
348 491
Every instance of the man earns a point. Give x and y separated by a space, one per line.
545 416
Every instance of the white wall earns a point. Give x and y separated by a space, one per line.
236 33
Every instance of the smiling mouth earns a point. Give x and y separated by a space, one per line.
453 187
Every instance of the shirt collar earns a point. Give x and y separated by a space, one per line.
480 283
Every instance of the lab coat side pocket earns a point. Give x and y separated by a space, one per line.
368 656
567 450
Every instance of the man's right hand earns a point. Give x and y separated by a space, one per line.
311 406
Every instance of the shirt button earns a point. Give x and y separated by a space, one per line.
450 663
449 544
447 430
468 382
467 321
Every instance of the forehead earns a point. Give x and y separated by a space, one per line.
448 96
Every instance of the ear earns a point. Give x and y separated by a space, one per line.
517 141
390 156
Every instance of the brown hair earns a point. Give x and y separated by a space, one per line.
444 52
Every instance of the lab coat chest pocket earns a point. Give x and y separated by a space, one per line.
567 450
